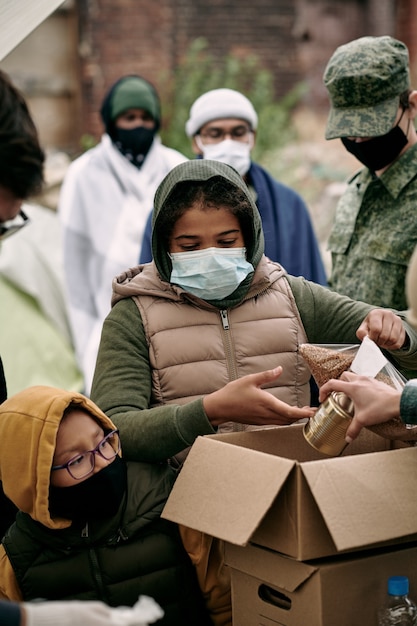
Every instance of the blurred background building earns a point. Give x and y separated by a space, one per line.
65 65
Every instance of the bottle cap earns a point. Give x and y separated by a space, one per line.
398 585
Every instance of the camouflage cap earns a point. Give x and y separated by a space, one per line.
364 79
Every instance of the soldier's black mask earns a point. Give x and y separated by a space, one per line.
378 152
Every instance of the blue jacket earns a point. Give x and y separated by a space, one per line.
289 235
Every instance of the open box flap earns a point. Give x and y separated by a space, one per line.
262 564
367 498
226 490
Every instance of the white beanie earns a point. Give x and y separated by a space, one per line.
218 104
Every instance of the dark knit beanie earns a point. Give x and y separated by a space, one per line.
130 92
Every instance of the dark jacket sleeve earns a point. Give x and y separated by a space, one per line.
3 388
146 250
9 613
7 508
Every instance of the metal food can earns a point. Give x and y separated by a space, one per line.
326 430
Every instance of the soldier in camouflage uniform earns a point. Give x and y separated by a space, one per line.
373 111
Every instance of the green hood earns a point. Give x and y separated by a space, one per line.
204 169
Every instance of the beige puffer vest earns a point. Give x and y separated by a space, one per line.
194 351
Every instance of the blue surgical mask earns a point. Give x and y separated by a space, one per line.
212 273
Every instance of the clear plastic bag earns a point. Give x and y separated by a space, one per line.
391 376
328 361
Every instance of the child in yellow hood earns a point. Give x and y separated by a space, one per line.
88 525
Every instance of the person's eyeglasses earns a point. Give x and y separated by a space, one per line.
12 226
216 135
83 464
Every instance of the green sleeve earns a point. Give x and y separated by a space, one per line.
122 389
329 317
408 403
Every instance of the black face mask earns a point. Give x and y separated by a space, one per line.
97 496
378 152
134 144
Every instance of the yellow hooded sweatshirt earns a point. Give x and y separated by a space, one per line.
29 423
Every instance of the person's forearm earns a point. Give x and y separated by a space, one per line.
154 435
329 317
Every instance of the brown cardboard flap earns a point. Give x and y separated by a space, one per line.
283 441
251 486
262 563
365 502
340 592
230 489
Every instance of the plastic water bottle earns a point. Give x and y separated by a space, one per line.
399 609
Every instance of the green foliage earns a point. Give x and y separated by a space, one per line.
200 71
87 142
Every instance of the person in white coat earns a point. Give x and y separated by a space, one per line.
104 203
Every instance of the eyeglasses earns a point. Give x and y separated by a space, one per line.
216 135
12 226
83 464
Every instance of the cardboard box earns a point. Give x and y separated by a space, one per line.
271 488
269 589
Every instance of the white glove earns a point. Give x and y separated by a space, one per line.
74 613
145 611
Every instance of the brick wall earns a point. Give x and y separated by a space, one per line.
118 38
292 38
145 37
243 27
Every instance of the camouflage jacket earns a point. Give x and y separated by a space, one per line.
374 234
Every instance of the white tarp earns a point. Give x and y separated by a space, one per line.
18 18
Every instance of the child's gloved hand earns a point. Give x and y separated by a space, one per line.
74 613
